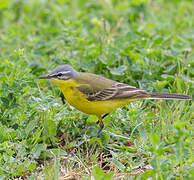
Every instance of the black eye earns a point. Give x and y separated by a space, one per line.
59 74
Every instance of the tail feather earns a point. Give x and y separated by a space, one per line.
169 96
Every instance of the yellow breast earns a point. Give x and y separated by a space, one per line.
80 102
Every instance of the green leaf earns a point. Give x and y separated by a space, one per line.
155 138
94 140
118 71
37 149
97 173
92 118
3 4
148 174
108 176
51 127
105 138
119 165
52 153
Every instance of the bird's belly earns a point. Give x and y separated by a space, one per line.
79 101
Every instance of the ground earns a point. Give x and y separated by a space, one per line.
145 43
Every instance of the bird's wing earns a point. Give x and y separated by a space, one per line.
117 90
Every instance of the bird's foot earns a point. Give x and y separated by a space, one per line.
101 128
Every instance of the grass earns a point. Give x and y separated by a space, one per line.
145 43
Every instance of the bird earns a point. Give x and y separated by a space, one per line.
97 95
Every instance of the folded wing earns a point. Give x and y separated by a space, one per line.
117 90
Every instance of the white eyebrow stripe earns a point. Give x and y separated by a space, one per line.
62 72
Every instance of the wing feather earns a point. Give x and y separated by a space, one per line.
117 90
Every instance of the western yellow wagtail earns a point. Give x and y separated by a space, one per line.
93 94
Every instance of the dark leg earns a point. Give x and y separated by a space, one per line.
101 127
62 98
103 116
101 122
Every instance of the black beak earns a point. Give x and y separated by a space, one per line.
45 77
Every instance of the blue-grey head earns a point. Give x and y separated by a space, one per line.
63 72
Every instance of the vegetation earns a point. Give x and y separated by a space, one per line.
145 43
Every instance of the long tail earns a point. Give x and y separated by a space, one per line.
169 96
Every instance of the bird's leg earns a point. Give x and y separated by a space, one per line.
103 116
101 123
101 127
62 98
